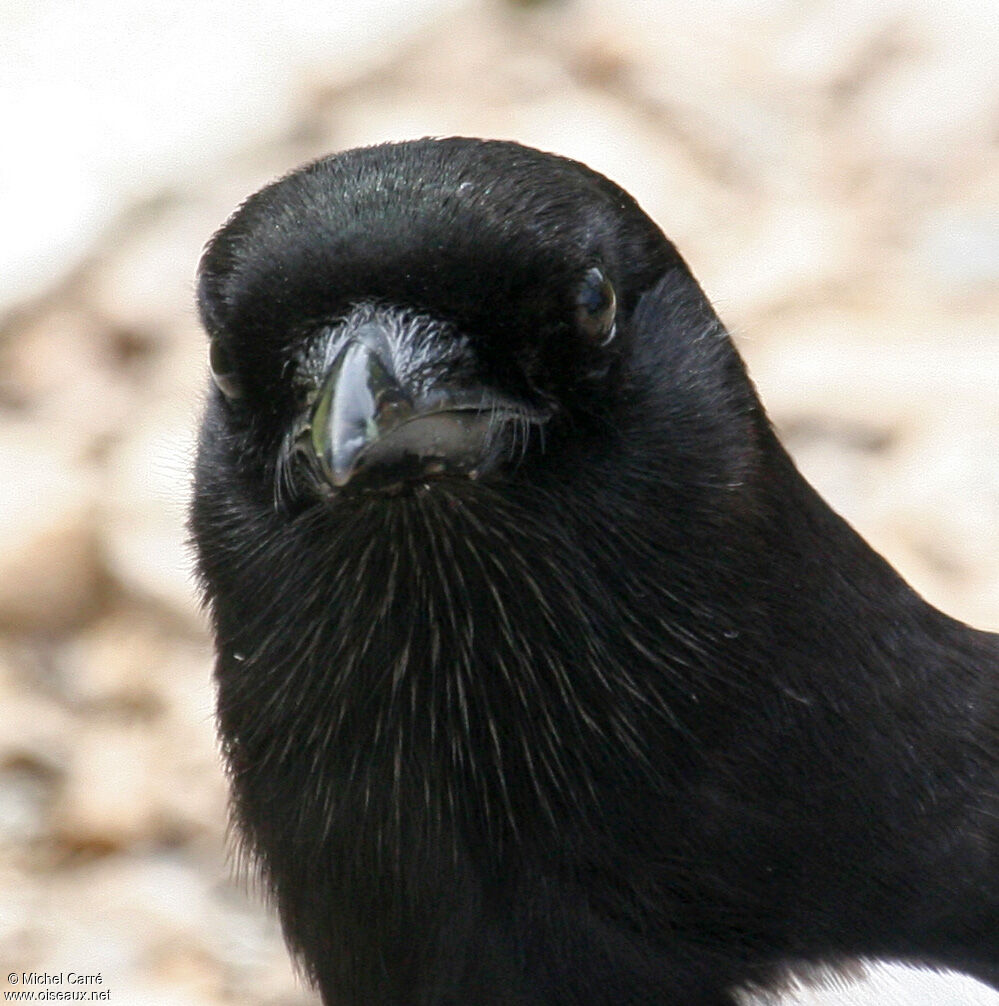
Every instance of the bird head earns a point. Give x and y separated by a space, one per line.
439 310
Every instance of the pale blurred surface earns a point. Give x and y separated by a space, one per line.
830 170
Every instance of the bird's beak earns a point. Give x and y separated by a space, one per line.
364 422
359 403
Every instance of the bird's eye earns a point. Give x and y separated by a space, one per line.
224 370
596 307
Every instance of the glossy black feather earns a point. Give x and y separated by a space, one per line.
634 719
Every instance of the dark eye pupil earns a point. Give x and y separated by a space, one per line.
594 298
596 306
223 370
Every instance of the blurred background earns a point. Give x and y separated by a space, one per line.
829 168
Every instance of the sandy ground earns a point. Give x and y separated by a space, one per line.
828 169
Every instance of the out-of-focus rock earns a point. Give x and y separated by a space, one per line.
129 664
929 107
34 728
875 367
25 795
109 797
957 248
151 777
145 280
34 731
116 663
147 693
49 352
837 49
783 257
50 565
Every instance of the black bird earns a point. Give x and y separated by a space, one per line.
543 675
